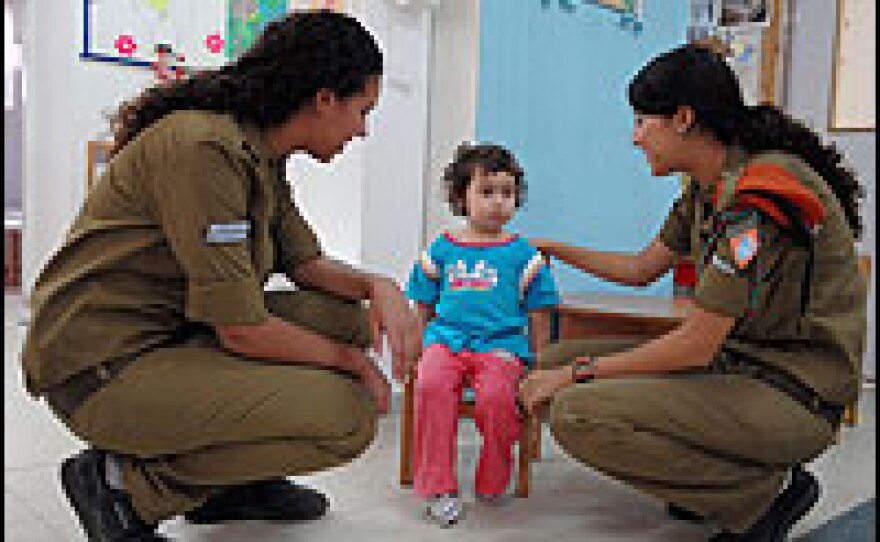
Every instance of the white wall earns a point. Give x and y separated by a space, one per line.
367 206
454 79
394 174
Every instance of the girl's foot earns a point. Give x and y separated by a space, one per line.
445 510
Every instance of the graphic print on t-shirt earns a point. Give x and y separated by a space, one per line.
482 277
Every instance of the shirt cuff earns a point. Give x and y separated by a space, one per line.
226 303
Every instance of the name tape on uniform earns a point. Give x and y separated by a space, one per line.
234 232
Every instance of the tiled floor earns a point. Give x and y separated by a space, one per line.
567 502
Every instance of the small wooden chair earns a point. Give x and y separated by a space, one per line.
529 441
530 437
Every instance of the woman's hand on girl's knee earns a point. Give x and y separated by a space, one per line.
539 387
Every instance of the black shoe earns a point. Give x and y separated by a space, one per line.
265 500
105 513
683 514
790 506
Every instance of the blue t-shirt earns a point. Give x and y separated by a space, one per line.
481 293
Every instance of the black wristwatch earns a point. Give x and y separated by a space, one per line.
583 370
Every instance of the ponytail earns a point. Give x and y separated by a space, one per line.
766 128
204 91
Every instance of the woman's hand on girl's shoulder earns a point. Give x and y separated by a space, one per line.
545 246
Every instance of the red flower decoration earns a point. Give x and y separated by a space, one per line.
125 44
215 43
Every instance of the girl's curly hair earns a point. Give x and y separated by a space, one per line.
695 76
292 60
486 158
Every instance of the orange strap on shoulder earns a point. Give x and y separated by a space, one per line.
777 181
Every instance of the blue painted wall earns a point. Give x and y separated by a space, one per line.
553 88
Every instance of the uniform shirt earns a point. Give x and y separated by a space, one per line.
184 226
481 293
748 268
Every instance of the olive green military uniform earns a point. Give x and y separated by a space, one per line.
179 235
719 442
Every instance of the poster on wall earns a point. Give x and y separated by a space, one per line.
246 20
147 32
171 36
630 11
631 7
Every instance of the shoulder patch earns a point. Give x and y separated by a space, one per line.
744 246
233 232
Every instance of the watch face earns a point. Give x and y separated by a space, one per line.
583 372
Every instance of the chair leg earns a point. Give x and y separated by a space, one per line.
406 433
535 436
525 445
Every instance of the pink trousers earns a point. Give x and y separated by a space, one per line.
439 382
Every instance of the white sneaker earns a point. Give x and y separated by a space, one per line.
445 510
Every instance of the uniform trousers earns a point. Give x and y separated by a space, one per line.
438 391
190 420
718 445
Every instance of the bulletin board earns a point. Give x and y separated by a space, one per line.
854 92
131 31
747 33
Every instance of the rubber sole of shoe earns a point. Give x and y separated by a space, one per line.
68 483
441 522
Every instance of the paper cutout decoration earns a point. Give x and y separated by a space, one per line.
126 45
630 11
169 66
215 43
159 5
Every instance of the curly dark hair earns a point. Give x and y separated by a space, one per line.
695 76
288 64
487 158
